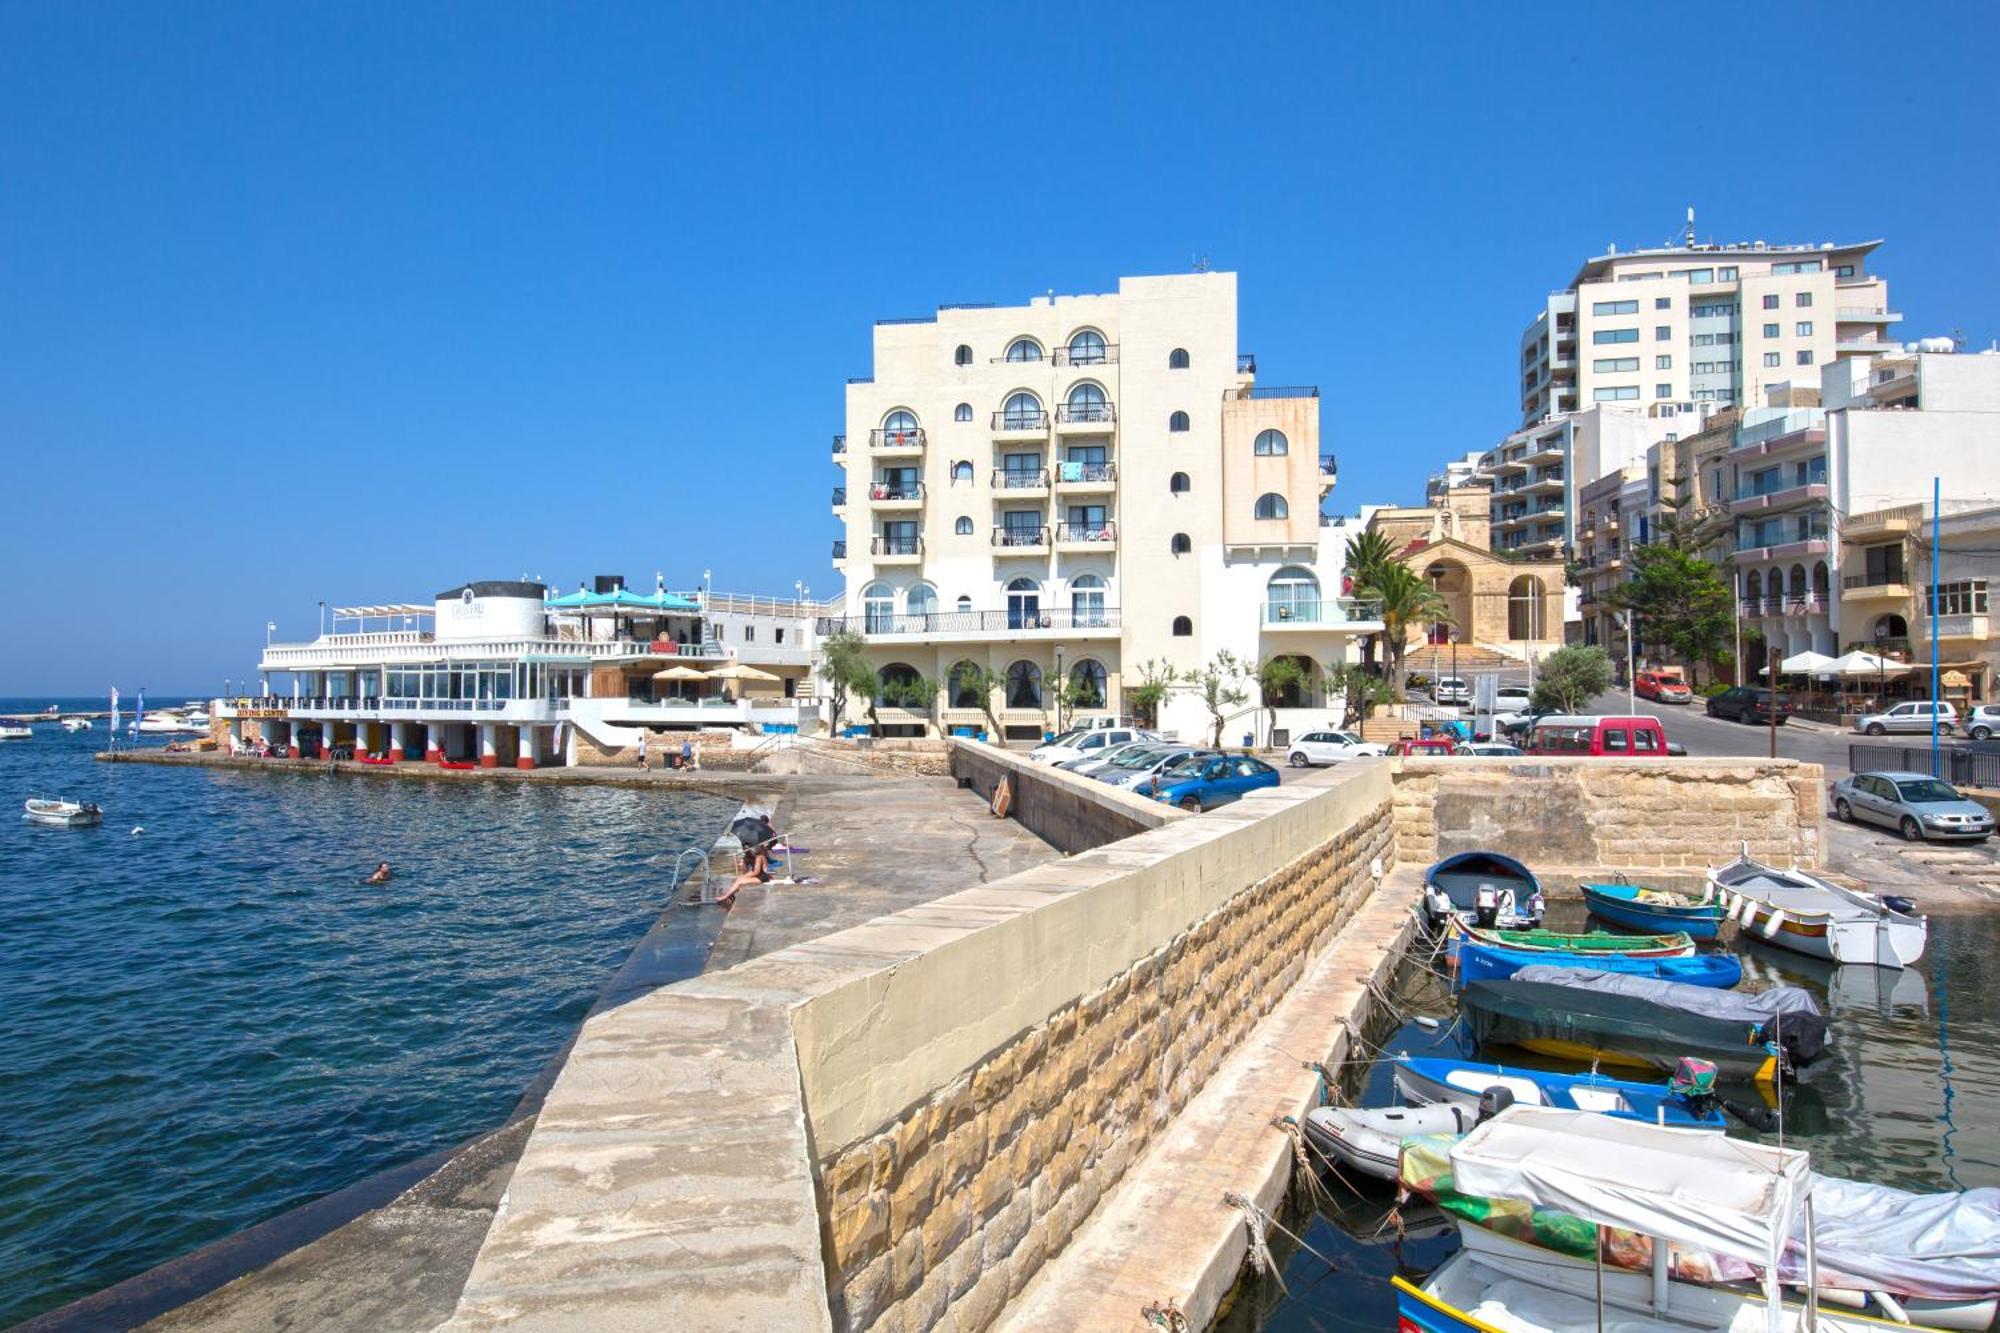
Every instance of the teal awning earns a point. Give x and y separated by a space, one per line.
624 599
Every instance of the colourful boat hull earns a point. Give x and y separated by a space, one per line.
1718 971
1621 905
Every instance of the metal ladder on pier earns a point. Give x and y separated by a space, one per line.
676 877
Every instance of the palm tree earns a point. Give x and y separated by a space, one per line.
1367 555
1408 600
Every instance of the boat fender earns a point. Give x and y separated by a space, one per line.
1890 1306
1773 921
1746 915
1427 1023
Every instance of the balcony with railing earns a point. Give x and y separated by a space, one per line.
1105 355
896 549
839 498
1085 418
1355 614
1246 363
1750 500
1865 314
1015 424
840 448
1970 625
1086 620
1275 391
1799 426
1016 483
905 495
1021 539
1887 522
908 439
1083 536
1875 586
1072 478
839 550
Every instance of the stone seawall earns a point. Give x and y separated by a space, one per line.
949 1211
1623 814
1067 812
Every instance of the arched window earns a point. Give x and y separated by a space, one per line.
963 527
878 609
963 412
1087 403
1087 679
962 680
1180 545
1024 349
1820 581
1023 411
1753 586
963 356
1271 444
964 602
921 601
1891 626
1798 580
1292 594
1524 608
1183 627
1272 505
1086 348
1024 685
961 471
901 686
1086 601
899 427
1178 484
1177 422
1177 359
1024 604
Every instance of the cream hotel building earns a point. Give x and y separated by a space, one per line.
1064 490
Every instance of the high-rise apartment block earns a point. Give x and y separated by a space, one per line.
1063 491
1677 330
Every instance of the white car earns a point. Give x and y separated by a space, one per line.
1092 743
1983 721
1911 715
1096 761
1512 699
1330 747
1452 690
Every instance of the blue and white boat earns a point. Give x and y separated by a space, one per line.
1686 1100
1654 911
1483 962
1482 889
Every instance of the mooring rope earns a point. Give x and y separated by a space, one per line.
1260 1246
1166 1315
1308 1178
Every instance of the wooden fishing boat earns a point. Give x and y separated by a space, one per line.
1482 888
1637 907
62 814
1483 962
1596 943
1797 910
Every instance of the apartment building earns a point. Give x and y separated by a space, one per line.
1886 427
1886 569
1613 518
1535 473
1678 329
1062 491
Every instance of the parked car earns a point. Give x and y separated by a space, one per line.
1206 782
1452 690
1911 715
1516 725
1616 735
1423 746
1489 750
1983 721
1916 805
1663 687
1087 741
1087 764
1512 698
1330 747
1745 703
1135 778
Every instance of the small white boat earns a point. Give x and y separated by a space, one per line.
76 724
1372 1141
1796 910
9 733
62 814
168 723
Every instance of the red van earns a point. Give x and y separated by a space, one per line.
1584 733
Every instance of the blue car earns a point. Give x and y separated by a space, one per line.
1206 781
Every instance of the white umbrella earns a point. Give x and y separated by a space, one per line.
1858 664
738 671
680 673
1803 664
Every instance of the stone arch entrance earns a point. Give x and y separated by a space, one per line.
1527 599
1453 582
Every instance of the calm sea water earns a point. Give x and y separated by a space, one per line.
1909 1096
210 1021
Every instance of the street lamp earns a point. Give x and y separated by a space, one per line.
1061 682
270 628
1881 667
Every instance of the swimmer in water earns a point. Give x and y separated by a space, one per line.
381 875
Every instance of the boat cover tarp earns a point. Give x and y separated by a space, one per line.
1789 1010
1480 962
1871 1237
1705 1190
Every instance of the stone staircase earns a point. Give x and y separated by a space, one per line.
1436 661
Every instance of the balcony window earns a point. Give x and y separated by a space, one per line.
899 427
1024 685
1022 411
1272 506
1270 444
1024 349
1086 348
1086 599
878 609
1087 403
1292 594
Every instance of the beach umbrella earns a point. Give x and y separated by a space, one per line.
1857 664
680 673
737 671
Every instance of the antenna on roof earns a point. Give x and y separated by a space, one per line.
1690 227
1198 263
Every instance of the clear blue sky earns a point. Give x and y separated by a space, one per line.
357 301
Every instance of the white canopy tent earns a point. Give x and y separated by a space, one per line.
1857 664
1801 664
1690 1186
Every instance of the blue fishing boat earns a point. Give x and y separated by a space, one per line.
1687 1100
1482 889
1654 910
1483 962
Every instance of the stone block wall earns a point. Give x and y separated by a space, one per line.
951 1209
1069 813
1665 814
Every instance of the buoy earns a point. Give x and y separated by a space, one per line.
1772 922
1427 1023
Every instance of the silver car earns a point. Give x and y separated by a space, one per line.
1983 721
1910 715
1916 805
1153 764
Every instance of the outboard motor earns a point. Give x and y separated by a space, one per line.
1486 906
1492 1102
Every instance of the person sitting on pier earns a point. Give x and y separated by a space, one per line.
381 875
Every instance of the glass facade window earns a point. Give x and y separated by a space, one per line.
1615 308
1621 394
1611 365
